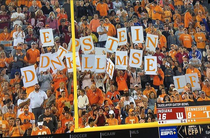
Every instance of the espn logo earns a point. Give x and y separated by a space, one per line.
166 133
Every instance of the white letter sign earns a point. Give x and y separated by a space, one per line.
45 62
100 63
135 60
137 34
150 65
29 76
46 36
88 62
122 36
121 60
69 61
61 52
111 44
193 80
151 42
77 44
179 82
110 68
87 44
56 63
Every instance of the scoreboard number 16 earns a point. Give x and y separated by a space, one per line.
162 116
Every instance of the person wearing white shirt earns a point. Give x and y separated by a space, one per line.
128 100
102 31
37 99
17 17
82 102
22 102
117 4
120 11
18 36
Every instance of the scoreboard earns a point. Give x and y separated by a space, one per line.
169 115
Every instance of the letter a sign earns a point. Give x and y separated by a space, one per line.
29 76
46 36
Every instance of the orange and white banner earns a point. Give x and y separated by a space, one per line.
122 36
46 36
137 34
193 80
150 65
69 61
29 76
121 60
111 44
135 60
77 44
151 42
61 52
56 63
100 63
88 63
179 82
87 44
45 62
110 68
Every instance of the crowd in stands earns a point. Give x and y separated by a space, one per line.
182 26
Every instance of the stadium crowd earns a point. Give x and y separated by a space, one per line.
130 97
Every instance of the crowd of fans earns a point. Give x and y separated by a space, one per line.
130 97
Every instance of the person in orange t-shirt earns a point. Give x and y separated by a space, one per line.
187 19
62 101
162 40
167 15
32 54
66 119
39 4
157 11
113 95
186 39
3 60
206 87
17 79
40 130
95 95
102 8
9 114
112 120
178 2
17 130
192 70
59 130
131 119
60 89
203 97
4 127
111 27
200 16
5 36
61 15
158 79
200 39
27 118
58 78
148 89
121 81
